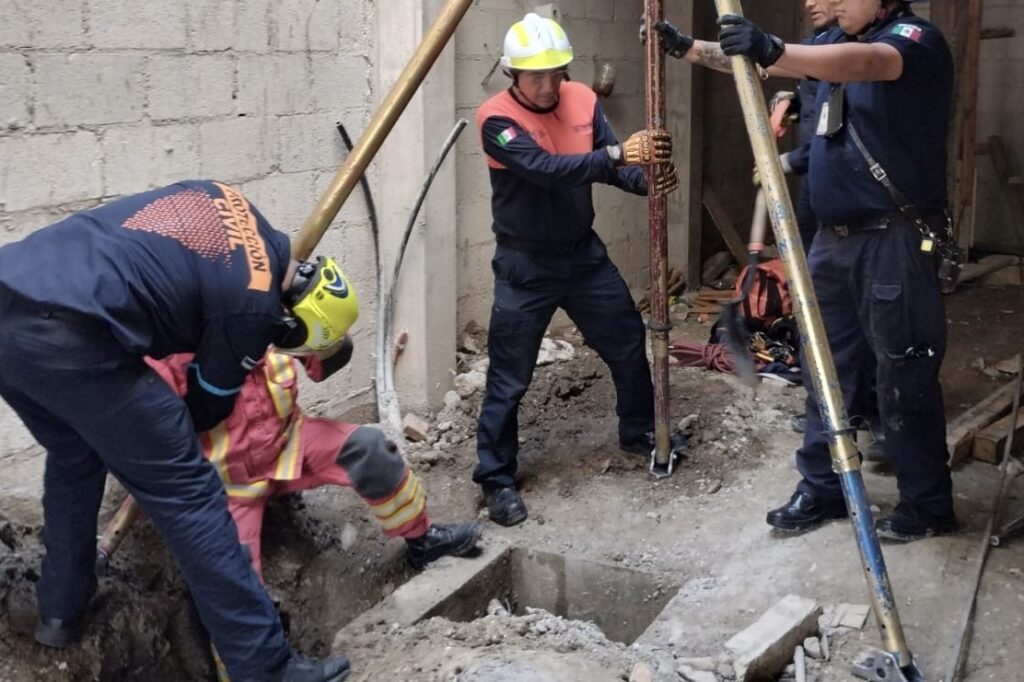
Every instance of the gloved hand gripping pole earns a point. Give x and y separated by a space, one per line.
896 661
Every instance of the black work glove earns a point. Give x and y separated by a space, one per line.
742 38
674 42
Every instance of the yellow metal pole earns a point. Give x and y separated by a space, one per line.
383 121
814 346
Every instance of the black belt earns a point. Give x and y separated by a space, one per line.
882 223
545 247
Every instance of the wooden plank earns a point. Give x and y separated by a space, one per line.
960 431
985 266
1000 32
990 442
969 100
721 219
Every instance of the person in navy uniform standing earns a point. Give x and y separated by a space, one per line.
883 105
547 142
190 267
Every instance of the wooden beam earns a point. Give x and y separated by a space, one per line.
969 99
960 431
720 216
990 442
1001 32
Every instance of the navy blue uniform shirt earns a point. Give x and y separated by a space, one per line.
543 190
903 123
807 90
189 267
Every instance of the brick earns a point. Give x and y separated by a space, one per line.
285 199
414 429
341 83
136 158
234 149
14 84
41 25
64 168
190 86
304 25
765 648
149 24
87 88
274 84
308 142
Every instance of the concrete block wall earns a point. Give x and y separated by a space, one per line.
102 98
600 31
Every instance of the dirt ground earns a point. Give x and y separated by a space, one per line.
702 529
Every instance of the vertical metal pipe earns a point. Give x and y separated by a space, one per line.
661 463
383 121
814 345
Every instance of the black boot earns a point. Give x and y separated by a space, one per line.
443 539
798 422
298 668
644 444
908 526
58 634
805 511
505 506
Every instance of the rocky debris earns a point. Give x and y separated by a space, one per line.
452 400
554 350
839 618
414 428
470 382
812 647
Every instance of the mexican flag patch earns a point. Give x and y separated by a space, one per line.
506 136
908 31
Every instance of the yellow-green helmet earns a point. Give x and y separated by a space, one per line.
536 44
323 306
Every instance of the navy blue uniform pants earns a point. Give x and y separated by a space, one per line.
885 320
97 408
528 289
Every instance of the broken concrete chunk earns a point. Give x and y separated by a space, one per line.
812 647
641 673
469 345
765 648
414 428
452 400
706 663
554 350
469 383
845 616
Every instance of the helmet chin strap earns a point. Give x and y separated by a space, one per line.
530 104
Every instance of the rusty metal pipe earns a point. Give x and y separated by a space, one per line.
380 126
115 532
818 355
662 457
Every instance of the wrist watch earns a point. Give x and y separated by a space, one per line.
614 153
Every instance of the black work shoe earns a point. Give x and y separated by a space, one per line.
644 444
58 634
505 506
900 527
805 511
443 539
798 422
298 668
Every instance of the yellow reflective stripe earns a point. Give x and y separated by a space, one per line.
279 368
219 442
548 59
287 464
521 34
405 515
249 491
406 493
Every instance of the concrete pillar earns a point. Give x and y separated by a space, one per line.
426 293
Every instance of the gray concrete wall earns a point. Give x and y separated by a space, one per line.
101 99
600 31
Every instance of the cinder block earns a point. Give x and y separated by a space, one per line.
87 88
212 23
285 199
190 86
308 142
482 34
14 84
136 158
48 170
41 25
602 10
629 10
341 83
274 84
304 25
252 26
150 24
235 149
762 650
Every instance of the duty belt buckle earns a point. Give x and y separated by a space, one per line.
841 230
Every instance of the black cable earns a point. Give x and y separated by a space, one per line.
371 208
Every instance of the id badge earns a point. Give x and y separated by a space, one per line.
830 120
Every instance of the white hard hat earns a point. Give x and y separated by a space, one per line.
536 44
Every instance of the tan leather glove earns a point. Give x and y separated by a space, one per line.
645 147
666 180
